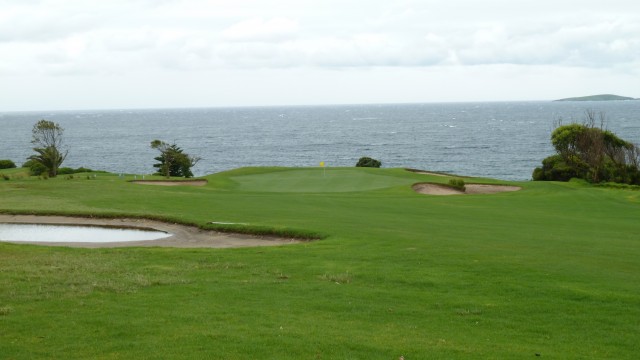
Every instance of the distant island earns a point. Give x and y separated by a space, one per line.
603 97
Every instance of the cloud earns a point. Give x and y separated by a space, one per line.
261 30
118 36
67 41
587 45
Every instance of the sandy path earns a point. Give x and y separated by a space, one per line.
436 189
183 236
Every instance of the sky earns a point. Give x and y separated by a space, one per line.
82 54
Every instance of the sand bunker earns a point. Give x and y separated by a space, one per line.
171 182
182 236
438 189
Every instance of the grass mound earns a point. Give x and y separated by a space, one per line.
318 180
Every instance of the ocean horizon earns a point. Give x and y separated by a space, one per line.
502 140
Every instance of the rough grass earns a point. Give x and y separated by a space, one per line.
551 270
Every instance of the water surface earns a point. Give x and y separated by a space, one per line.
504 140
74 234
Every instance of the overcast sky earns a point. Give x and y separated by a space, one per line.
82 54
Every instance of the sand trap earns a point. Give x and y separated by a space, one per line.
182 236
437 189
171 182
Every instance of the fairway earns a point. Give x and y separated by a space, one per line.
551 270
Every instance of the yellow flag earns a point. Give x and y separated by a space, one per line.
321 163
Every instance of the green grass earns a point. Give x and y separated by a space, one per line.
552 269
319 180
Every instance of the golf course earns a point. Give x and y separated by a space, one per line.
370 269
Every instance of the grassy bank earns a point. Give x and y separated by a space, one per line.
551 270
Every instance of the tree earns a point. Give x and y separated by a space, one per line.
47 137
590 152
368 162
172 160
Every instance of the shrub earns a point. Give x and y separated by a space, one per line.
172 160
6 177
35 168
589 152
69 171
368 162
554 168
457 183
84 170
65 171
7 164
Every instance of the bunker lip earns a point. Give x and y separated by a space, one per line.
198 182
182 236
441 189
433 173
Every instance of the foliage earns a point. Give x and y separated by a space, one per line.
590 152
68 170
554 168
35 167
172 160
457 184
50 158
47 137
368 162
7 164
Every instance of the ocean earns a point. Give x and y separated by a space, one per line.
503 140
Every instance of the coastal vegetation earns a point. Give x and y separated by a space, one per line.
396 273
457 183
590 152
48 139
366 161
7 164
173 161
35 168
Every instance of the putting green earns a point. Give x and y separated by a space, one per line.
318 180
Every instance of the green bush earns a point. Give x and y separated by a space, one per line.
592 153
35 168
7 164
65 171
457 184
554 168
70 171
368 162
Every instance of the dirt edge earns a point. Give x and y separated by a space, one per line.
183 236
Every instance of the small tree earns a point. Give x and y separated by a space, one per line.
590 152
172 160
48 140
368 162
